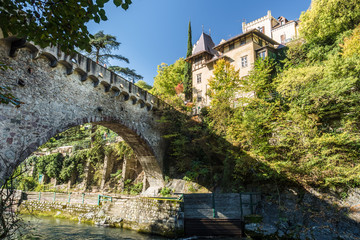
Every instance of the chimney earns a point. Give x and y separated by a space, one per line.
269 13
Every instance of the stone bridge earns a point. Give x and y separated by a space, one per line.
60 92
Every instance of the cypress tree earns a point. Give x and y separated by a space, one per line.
187 76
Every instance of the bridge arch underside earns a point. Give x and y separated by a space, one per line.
55 101
145 155
152 167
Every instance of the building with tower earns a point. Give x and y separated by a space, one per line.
260 38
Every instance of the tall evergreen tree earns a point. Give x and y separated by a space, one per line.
187 76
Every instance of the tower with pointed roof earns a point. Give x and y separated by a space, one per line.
203 51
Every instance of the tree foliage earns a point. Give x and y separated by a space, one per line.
50 165
223 87
299 120
142 84
327 19
102 46
351 46
188 68
54 22
126 72
74 164
167 79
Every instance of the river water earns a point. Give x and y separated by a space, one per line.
48 228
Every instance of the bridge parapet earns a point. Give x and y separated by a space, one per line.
88 69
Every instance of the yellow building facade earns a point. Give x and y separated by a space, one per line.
241 51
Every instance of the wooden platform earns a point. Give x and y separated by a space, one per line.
217 214
214 227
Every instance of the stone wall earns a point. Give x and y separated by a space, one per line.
162 217
296 213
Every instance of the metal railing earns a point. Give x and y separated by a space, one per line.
103 198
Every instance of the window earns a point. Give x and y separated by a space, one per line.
262 54
244 62
242 41
283 38
199 98
198 78
197 62
231 46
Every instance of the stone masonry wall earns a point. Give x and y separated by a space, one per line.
141 214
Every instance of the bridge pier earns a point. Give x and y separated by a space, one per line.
108 166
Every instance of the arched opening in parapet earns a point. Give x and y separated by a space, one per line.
90 158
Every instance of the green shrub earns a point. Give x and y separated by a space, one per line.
165 192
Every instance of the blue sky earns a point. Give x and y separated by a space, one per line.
155 31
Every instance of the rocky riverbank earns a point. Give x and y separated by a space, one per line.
307 214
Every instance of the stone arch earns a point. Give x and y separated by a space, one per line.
82 73
56 99
115 91
106 85
144 152
141 103
68 66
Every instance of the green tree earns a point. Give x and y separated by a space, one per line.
260 78
327 19
102 46
167 79
54 22
351 46
126 72
50 165
223 86
188 71
142 84
251 124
